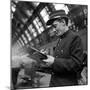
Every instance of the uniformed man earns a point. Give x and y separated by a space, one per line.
68 53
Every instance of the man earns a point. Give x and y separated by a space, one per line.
68 54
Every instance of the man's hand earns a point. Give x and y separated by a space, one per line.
44 51
49 61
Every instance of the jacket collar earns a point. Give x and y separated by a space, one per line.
64 34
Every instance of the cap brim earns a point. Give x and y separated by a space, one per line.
49 22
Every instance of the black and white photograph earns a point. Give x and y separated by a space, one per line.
49 44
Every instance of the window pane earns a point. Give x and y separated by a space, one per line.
21 41
46 18
32 29
28 35
42 29
29 39
34 32
24 38
61 6
19 44
38 24
44 13
48 12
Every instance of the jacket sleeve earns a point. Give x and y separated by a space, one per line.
74 62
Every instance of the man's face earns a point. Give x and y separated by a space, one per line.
59 26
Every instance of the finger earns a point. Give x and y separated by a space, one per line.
45 60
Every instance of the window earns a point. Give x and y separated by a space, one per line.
13 7
21 41
28 35
32 30
24 38
61 6
45 14
38 25
36 4
19 44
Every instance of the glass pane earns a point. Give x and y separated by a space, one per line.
42 29
35 23
46 18
36 3
29 27
44 13
34 33
26 32
29 39
21 42
24 38
32 29
61 6
37 19
40 24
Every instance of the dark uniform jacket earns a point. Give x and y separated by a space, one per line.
68 60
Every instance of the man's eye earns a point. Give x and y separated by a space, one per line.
54 26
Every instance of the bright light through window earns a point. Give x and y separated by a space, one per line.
19 44
45 14
32 30
21 41
38 25
24 38
61 6
36 3
28 35
13 9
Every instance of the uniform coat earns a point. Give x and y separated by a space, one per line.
68 60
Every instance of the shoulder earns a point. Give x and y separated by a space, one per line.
74 39
74 35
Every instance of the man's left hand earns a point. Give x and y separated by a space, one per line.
49 61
